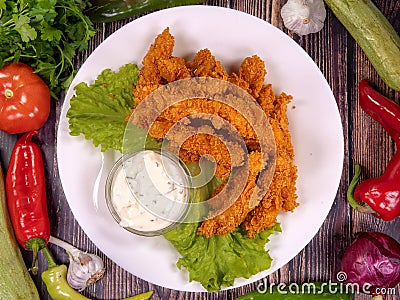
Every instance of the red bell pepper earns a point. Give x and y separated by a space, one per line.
379 196
26 196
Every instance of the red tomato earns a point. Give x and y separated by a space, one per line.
24 99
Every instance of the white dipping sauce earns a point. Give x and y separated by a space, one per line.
149 191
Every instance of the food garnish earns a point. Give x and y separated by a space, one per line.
45 35
304 16
374 34
379 196
84 268
99 110
373 262
13 272
24 99
26 196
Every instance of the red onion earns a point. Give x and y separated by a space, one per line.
372 261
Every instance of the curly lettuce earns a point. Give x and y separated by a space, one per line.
99 110
216 261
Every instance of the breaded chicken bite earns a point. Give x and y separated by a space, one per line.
227 221
255 208
281 194
205 65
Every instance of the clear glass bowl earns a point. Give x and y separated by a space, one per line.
131 192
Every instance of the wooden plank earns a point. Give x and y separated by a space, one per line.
343 64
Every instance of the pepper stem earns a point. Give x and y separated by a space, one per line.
362 208
35 244
47 255
350 191
35 265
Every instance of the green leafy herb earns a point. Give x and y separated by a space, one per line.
45 35
99 110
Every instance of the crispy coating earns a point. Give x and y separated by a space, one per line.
172 69
204 144
150 76
235 214
161 49
281 194
182 109
193 141
205 65
251 75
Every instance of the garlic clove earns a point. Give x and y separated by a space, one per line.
84 269
304 16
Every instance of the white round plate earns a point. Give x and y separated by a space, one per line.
231 36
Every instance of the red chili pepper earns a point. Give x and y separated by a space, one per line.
26 196
379 196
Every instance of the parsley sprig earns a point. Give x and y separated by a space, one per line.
45 34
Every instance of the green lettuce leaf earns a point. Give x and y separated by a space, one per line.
216 261
98 111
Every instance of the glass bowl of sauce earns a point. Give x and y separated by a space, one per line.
148 192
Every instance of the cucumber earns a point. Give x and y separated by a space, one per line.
15 280
374 34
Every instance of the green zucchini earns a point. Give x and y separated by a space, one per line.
374 34
15 280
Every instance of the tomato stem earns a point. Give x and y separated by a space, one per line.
8 93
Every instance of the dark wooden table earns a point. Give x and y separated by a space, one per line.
343 64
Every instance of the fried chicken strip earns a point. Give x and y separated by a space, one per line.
233 216
281 194
159 67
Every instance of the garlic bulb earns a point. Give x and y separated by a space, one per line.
304 16
84 268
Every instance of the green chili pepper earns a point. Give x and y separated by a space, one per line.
55 278
305 291
108 11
